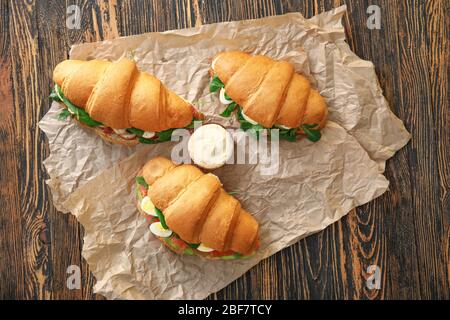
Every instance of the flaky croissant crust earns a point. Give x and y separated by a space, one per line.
198 209
120 96
270 92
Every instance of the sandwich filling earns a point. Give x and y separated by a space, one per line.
128 134
246 123
160 229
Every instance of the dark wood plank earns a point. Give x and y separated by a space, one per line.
30 194
154 16
61 234
371 242
12 266
429 218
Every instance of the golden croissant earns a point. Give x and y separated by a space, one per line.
268 92
123 104
192 214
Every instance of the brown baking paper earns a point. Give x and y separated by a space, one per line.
316 184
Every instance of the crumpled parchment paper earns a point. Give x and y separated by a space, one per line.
316 184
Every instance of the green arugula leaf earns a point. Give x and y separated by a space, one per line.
161 218
284 134
229 110
191 125
232 256
136 131
165 135
54 96
138 193
246 125
311 134
255 130
227 97
288 134
162 136
82 115
240 117
64 114
215 84
258 127
193 245
79 113
140 180
310 126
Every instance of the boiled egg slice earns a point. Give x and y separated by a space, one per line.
148 134
148 207
123 133
222 97
282 127
120 131
204 248
157 229
248 119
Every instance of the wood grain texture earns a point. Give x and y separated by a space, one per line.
405 232
11 262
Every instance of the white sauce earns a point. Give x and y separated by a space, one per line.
210 146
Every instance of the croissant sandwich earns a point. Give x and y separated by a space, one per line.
191 213
268 94
123 105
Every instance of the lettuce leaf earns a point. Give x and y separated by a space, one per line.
216 84
81 115
312 134
229 110
140 180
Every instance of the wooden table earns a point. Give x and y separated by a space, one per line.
405 232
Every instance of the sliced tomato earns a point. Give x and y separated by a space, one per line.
151 219
107 130
143 191
179 242
216 253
